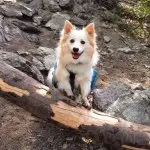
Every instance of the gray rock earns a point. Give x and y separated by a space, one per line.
45 15
32 70
69 139
44 58
133 107
22 64
26 10
81 1
23 53
109 4
147 66
37 63
36 4
126 50
34 38
8 31
49 61
12 59
65 146
27 55
57 21
52 5
85 16
110 17
66 3
1 2
37 20
11 32
103 98
41 52
10 11
88 8
26 26
107 39
78 21
2 32
77 9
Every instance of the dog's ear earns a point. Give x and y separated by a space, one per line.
90 28
68 27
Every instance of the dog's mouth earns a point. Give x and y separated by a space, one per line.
76 55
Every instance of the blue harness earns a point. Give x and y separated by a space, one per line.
72 78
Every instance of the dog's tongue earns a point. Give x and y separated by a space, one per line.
75 55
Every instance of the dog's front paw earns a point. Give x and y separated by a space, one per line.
86 103
90 98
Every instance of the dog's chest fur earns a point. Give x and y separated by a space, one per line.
78 68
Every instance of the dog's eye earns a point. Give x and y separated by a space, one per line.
72 41
82 42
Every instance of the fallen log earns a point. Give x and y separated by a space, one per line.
36 98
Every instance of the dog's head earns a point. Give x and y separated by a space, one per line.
77 42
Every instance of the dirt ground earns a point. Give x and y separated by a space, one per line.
21 131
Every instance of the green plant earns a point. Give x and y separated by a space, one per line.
137 16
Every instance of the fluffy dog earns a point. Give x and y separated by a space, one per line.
76 54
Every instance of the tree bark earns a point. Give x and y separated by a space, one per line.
50 105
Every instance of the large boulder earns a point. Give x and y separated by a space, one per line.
46 56
42 52
25 9
134 106
26 26
45 15
22 64
16 10
103 98
9 31
10 11
78 21
57 21
49 61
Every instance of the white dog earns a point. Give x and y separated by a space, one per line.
77 54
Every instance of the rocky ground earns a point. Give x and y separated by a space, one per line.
29 32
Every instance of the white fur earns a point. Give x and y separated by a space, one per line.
82 67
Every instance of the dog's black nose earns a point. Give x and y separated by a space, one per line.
75 49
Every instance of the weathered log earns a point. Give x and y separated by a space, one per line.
33 96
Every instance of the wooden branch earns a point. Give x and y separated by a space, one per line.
33 96
131 148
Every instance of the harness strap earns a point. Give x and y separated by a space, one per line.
94 79
72 78
54 80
